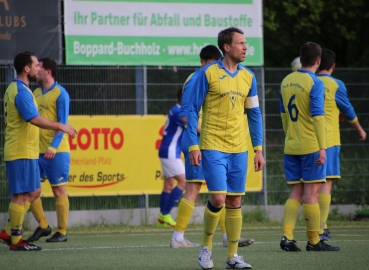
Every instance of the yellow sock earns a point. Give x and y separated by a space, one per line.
16 214
185 210
62 212
324 205
222 220
211 220
291 209
27 206
312 219
7 227
233 223
38 213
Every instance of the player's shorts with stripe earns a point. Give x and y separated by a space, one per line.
23 175
225 172
56 169
172 167
302 168
333 162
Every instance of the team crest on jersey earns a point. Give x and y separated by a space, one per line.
233 101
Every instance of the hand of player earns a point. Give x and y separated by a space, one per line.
69 130
362 135
49 154
320 161
259 161
195 157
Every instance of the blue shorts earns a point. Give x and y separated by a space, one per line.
225 172
302 168
193 173
56 170
333 162
23 175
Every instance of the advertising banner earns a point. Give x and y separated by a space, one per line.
156 32
118 155
30 26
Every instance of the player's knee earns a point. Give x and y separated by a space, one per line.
233 201
217 200
59 191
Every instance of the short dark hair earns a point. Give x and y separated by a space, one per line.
310 52
179 95
210 52
225 37
328 59
21 60
49 63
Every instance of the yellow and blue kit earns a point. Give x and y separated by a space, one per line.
53 104
193 173
224 96
21 148
302 112
336 101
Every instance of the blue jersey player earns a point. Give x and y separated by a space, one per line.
171 164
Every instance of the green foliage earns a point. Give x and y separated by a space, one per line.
337 216
339 25
258 214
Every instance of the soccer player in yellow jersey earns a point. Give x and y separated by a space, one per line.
336 100
54 159
302 112
194 174
224 89
21 148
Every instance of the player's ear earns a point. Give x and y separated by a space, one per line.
318 61
26 69
226 47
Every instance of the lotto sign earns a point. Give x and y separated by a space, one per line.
118 155
161 32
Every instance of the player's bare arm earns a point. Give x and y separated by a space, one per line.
360 131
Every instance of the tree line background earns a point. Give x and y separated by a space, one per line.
340 25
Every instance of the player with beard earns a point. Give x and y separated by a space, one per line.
21 148
54 159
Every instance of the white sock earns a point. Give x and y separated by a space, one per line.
178 236
224 236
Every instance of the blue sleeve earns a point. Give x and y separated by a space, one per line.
200 89
62 108
317 98
254 118
281 107
343 102
177 119
25 105
186 96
